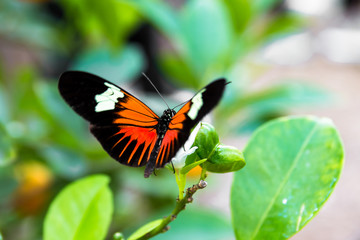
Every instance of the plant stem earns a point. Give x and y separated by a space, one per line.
203 174
180 205
181 182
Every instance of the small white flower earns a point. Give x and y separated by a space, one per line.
179 159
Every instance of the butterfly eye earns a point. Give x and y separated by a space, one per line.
169 113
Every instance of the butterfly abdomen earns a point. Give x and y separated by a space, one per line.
162 128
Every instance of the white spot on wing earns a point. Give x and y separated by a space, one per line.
108 99
197 104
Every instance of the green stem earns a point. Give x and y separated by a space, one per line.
203 174
180 205
181 182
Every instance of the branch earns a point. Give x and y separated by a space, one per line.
180 205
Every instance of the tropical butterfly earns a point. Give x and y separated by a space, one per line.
127 129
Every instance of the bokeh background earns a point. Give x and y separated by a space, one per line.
283 57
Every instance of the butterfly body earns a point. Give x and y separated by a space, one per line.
161 129
127 129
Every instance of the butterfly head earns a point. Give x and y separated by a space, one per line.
168 114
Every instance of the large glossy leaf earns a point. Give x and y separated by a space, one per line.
292 167
81 211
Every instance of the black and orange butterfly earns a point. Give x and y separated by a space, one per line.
129 130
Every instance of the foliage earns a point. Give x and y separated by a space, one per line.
286 183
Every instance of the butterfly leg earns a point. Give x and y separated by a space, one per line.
173 166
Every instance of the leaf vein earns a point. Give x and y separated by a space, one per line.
287 176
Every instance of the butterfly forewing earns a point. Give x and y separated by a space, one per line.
125 127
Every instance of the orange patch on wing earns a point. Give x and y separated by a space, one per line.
138 122
140 135
180 117
136 104
184 109
167 148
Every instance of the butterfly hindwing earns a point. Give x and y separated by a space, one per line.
125 127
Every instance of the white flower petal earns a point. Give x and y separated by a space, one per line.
179 159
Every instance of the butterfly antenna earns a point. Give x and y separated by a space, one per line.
155 89
179 105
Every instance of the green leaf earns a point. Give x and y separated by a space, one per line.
225 159
280 26
268 103
27 24
240 12
162 16
280 97
145 229
82 210
208 39
293 165
199 224
7 148
8 184
187 168
66 163
114 65
4 106
179 71
56 108
192 158
96 20
260 6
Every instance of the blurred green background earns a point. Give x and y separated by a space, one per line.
281 57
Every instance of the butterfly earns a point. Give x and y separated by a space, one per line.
128 130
